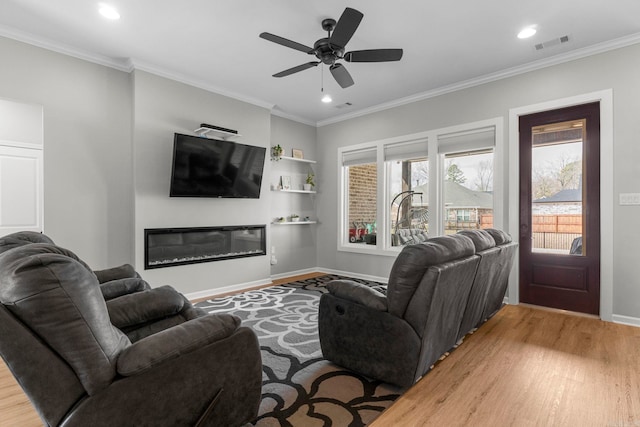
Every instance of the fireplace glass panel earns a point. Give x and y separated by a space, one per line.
166 247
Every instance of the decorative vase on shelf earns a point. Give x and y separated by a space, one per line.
306 187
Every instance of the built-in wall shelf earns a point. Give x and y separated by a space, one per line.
294 159
202 131
296 191
294 222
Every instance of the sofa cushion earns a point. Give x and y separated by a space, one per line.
119 287
141 307
59 300
482 240
412 263
499 236
359 293
173 342
124 271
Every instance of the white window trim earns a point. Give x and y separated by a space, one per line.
436 177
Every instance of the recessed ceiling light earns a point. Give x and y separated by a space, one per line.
525 33
327 98
108 12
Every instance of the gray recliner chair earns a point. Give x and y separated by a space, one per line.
134 306
114 281
397 338
78 369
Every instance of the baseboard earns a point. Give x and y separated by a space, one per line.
625 320
294 273
226 289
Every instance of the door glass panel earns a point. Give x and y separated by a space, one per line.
557 214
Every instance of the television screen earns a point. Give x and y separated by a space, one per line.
204 167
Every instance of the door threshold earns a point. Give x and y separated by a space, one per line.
559 310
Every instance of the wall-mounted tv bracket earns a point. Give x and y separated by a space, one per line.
205 129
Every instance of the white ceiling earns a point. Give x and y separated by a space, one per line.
215 44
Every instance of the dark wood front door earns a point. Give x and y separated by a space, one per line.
560 208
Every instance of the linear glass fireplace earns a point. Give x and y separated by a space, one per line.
168 247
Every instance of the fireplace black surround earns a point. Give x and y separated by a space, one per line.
168 247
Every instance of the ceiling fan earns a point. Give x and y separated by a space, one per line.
330 49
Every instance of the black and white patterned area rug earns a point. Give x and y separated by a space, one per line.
300 387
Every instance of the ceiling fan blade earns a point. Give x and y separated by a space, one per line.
342 76
346 26
296 69
373 55
286 42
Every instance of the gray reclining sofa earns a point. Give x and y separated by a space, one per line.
438 291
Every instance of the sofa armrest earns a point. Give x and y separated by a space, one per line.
118 287
124 271
358 293
141 307
174 342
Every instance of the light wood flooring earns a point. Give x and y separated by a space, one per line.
524 367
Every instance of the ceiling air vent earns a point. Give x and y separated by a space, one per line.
552 42
345 105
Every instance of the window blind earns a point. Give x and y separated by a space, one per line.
406 150
359 157
476 139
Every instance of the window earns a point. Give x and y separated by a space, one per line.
468 179
394 194
407 169
361 176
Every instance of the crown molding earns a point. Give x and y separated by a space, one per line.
21 36
127 65
138 65
488 78
298 119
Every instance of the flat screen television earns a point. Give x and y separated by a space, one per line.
204 167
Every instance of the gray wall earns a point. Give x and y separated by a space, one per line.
295 245
161 108
88 201
617 70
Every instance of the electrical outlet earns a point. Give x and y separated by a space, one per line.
630 198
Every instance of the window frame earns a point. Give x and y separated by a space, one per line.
436 177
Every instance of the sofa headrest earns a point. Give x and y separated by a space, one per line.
481 239
499 236
41 248
60 301
22 238
414 260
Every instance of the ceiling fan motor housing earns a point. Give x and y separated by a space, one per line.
326 52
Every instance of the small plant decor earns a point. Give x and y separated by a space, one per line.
310 179
276 152
294 217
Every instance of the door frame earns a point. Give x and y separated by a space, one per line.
605 97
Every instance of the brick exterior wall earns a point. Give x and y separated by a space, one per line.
362 194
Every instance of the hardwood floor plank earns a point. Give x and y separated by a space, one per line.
530 367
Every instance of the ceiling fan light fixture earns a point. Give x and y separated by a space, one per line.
326 98
527 32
